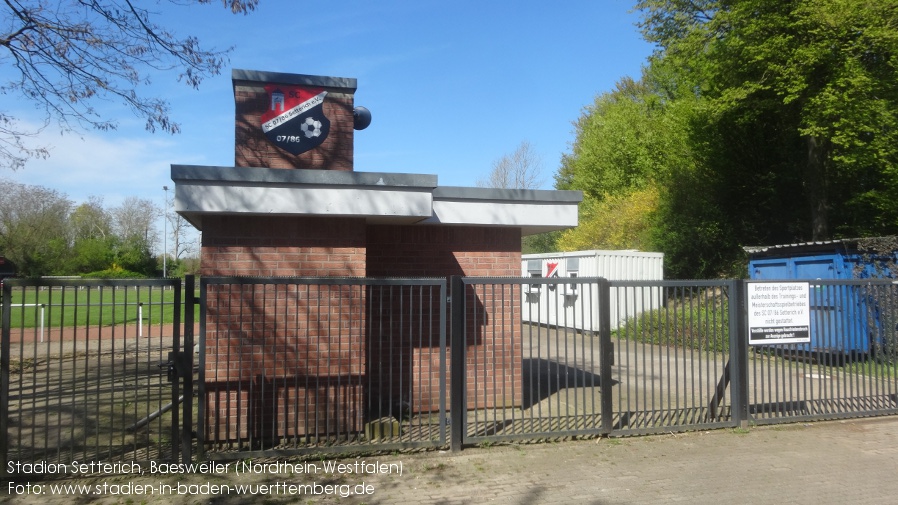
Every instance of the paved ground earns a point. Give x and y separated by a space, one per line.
852 461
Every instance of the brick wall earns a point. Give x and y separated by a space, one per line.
442 251
283 246
283 360
282 363
253 149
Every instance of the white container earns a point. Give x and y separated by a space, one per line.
575 305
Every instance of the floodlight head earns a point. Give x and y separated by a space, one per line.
361 118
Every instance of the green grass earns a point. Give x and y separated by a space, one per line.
94 307
873 367
701 323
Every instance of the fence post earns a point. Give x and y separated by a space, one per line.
187 349
201 373
457 372
606 355
4 376
738 354
174 362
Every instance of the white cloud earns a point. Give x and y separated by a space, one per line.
113 165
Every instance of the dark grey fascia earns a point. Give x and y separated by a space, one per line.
515 195
283 176
348 83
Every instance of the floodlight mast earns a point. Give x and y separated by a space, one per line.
165 234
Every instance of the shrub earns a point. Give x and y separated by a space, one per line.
114 273
699 322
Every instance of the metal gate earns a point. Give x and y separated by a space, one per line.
588 356
94 371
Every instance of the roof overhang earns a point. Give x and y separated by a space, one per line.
534 211
379 198
396 198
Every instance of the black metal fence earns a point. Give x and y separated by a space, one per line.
311 365
532 359
293 365
84 371
674 353
848 369
590 356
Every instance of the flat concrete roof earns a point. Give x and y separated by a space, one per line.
283 176
378 197
521 195
259 76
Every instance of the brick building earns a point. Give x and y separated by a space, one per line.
293 206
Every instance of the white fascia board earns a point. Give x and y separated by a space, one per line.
550 216
377 197
534 211
375 201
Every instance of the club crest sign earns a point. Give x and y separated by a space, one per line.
295 119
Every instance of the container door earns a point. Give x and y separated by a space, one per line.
827 305
770 269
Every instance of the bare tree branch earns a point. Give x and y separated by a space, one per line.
521 169
68 54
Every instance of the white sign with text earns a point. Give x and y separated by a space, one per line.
779 313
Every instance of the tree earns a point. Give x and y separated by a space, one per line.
613 150
179 230
90 220
43 234
93 242
521 169
615 222
758 121
189 265
135 217
134 225
66 55
34 228
810 82
629 144
184 245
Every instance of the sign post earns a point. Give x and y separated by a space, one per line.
779 313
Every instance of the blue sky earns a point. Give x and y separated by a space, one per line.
452 86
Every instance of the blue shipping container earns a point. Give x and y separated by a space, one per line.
845 318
